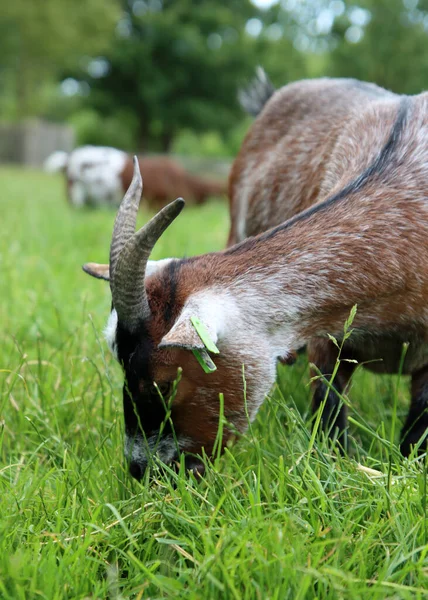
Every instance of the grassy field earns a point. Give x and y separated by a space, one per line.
275 518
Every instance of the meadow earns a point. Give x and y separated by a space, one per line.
278 516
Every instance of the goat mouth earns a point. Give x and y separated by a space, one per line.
137 469
195 466
192 464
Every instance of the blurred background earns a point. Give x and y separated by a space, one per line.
161 76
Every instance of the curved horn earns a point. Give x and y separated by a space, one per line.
126 218
128 286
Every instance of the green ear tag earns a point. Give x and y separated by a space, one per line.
204 335
202 356
205 360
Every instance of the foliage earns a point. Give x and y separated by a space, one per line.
116 130
189 143
40 38
157 74
392 49
211 143
179 66
176 66
270 520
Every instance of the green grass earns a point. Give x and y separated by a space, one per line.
271 519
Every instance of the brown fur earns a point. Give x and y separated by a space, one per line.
355 159
165 179
287 152
193 418
312 139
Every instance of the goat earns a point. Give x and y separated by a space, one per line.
165 179
93 174
351 152
98 175
361 152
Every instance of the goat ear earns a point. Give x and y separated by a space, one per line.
97 270
103 271
184 334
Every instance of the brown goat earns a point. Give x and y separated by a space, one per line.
165 179
356 156
320 141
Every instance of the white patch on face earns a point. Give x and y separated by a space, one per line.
110 333
251 329
216 308
98 172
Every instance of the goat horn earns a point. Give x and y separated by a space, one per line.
126 218
128 287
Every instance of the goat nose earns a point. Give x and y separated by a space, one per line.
137 469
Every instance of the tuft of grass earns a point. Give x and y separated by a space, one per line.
276 517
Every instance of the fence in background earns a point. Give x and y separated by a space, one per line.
31 142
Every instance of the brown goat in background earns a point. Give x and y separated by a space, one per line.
165 179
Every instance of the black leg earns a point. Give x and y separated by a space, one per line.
416 426
334 417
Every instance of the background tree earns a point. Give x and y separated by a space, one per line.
38 39
160 74
384 41
177 65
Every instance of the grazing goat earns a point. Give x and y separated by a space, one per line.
351 158
360 153
98 176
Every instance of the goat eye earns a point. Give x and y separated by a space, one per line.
163 387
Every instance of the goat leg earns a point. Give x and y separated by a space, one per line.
416 425
322 353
